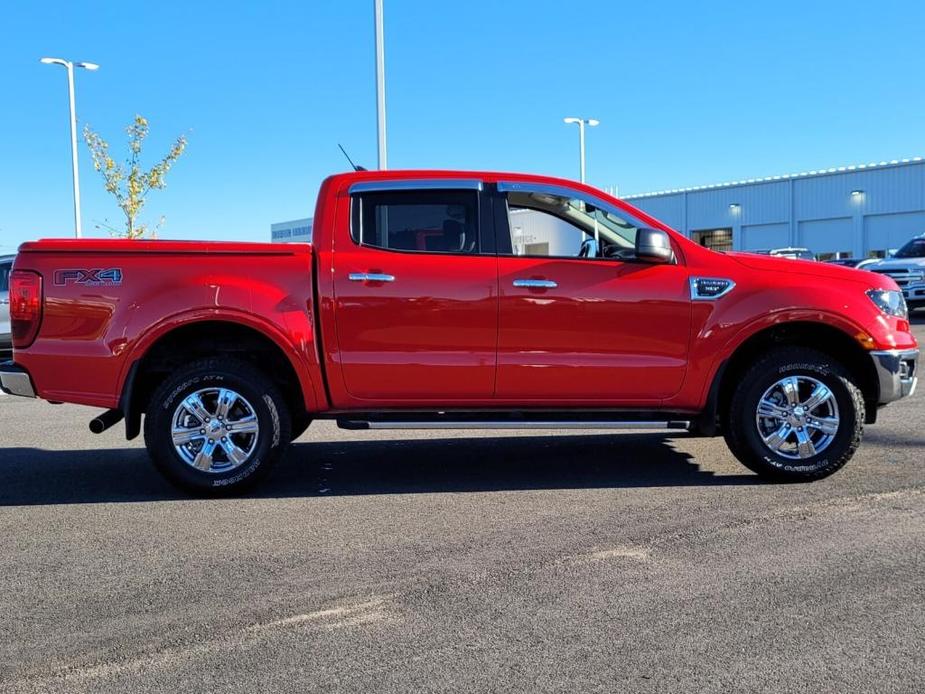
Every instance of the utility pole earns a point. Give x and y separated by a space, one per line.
380 87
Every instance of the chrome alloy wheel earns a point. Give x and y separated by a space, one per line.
215 430
797 417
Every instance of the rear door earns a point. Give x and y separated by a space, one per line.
416 297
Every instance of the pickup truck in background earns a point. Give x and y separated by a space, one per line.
907 267
436 299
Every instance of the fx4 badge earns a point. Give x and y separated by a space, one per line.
97 277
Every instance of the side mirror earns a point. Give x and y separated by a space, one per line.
654 246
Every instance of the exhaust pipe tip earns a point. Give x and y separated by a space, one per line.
101 423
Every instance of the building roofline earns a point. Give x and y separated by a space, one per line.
786 177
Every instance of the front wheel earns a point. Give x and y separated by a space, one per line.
796 415
216 427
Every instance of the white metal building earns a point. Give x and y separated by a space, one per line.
538 233
296 231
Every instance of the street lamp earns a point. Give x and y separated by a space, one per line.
70 90
380 85
582 122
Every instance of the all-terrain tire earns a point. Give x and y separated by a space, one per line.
259 405
741 429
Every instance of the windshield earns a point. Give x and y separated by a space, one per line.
914 249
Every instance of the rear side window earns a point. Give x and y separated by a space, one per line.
425 221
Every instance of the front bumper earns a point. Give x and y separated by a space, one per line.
897 371
15 380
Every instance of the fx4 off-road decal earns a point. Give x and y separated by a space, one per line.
95 277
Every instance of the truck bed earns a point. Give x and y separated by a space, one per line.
124 246
108 300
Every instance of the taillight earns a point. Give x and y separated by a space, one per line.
25 306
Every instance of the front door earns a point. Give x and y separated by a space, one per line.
581 321
416 304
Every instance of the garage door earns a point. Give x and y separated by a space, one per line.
758 237
828 236
884 232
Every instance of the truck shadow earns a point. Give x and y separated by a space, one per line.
30 476
495 464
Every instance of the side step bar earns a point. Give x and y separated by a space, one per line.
511 424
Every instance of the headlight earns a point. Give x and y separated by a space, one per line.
889 301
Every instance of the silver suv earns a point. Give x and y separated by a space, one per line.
6 346
907 267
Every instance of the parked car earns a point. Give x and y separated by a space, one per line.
6 264
856 263
907 267
430 300
789 252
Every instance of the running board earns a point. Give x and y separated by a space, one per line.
510 424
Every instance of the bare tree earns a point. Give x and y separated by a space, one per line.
128 182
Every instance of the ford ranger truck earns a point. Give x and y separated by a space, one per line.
433 299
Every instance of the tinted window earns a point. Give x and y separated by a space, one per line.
5 277
914 249
431 221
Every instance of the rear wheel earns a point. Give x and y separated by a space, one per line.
796 415
216 427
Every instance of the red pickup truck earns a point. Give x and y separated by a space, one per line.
433 299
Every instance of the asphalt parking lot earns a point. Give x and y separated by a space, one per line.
389 561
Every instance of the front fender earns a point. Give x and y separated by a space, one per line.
721 327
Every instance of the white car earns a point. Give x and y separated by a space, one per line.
789 252
6 346
907 267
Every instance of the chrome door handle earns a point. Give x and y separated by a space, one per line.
370 277
536 284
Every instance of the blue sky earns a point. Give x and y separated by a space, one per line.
687 93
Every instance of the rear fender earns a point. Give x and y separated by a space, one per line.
298 347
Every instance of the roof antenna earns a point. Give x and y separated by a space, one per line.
355 167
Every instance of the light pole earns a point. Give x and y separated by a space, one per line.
380 85
582 122
70 91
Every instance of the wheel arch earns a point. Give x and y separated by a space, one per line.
822 337
180 340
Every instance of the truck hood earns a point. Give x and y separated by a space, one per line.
897 264
826 271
